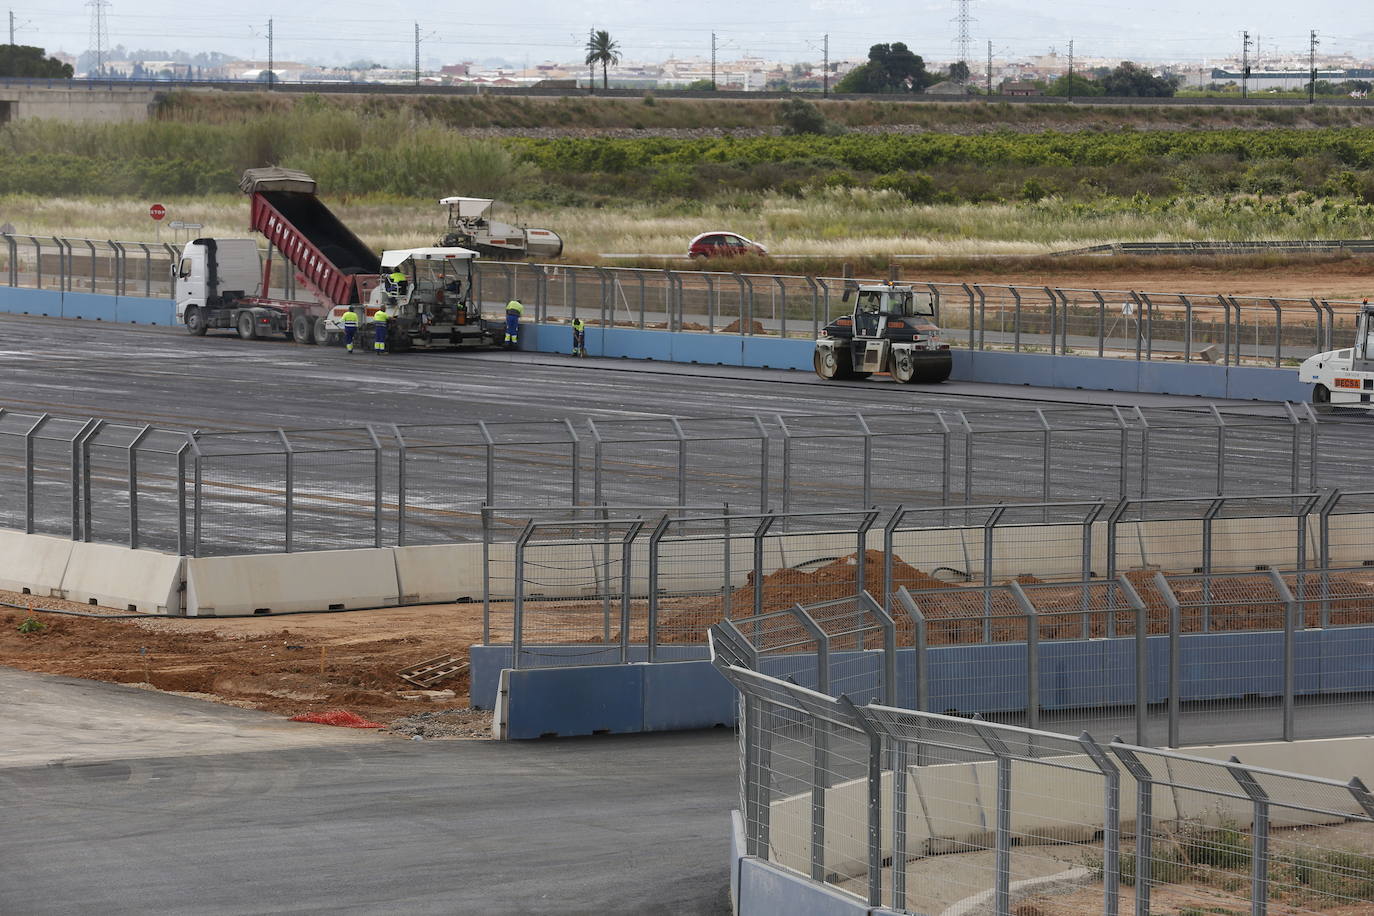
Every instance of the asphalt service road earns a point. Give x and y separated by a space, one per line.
337 821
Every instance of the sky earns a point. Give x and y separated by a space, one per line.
790 30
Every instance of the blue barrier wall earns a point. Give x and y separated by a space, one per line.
87 306
1074 674
1037 369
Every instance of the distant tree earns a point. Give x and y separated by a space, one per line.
28 61
700 86
1131 79
602 50
890 68
958 71
798 116
1075 85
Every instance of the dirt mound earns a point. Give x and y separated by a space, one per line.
736 327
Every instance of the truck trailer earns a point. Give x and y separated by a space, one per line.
224 284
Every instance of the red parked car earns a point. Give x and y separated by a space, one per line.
723 244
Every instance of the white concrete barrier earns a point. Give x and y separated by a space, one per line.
33 563
317 581
136 580
441 573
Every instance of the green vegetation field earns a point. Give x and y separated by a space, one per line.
992 180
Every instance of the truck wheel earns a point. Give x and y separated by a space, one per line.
833 364
1321 399
248 326
195 321
321 332
302 329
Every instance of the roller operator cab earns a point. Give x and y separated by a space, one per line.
891 330
1344 378
431 308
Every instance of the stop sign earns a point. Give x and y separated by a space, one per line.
157 211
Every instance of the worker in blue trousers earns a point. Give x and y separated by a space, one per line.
350 328
379 321
579 338
513 312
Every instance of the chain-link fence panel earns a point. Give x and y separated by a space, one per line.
239 497
573 602
15 476
826 462
336 489
55 474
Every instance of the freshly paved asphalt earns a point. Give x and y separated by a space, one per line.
354 823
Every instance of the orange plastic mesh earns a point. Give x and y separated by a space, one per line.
340 717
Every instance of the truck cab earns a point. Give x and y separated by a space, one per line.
1344 378
891 329
211 275
432 308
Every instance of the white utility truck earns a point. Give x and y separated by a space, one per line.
1344 378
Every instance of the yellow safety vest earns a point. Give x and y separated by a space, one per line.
381 316
350 319
515 306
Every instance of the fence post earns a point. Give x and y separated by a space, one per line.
1111 828
199 505
1054 320
182 541
1175 675
988 525
1016 327
1142 658
1149 326
377 493
1144 822
861 553
1032 653
867 433
1324 547
489 450
28 472
1002 844
762 529
1208 520
1187 328
875 801
290 489
982 317
81 480
920 642
626 559
1046 450
654 538
1101 321
1259 843
1291 609
401 484
517 638
969 293
133 485
889 540
681 461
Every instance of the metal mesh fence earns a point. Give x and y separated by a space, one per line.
240 494
925 813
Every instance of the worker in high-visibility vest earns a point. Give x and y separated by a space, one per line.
379 321
350 328
397 281
513 312
579 338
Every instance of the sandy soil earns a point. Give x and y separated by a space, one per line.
289 664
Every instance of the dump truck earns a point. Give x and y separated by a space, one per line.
891 330
1344 378
471 226
224 284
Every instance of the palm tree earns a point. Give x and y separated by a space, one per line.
601 50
